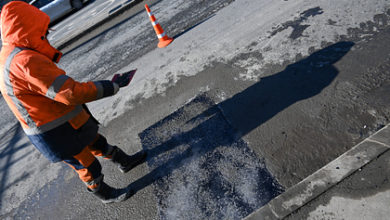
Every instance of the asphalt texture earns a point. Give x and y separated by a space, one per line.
362 195
362 192
329 192
223 178
367 191
220 146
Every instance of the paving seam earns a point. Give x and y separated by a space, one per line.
383 144
326 177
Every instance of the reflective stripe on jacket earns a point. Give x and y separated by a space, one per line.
42 97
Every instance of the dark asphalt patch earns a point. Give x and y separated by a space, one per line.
202 169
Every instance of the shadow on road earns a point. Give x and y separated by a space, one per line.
301 80
205 131
8 150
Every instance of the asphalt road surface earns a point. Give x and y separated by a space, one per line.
250 98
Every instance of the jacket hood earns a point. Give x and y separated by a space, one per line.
24 25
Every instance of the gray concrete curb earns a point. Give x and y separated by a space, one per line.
326 177
64 42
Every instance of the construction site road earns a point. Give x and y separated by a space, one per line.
249 100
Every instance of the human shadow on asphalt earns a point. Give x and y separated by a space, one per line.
299 81
9 148
245 111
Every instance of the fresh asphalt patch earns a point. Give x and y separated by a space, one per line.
200 167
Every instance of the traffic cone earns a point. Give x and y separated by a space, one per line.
162 36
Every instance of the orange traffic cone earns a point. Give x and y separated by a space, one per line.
162 37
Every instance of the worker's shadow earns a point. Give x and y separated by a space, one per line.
12 150
246 110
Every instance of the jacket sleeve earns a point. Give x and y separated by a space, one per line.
45 78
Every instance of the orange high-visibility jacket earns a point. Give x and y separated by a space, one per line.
40 94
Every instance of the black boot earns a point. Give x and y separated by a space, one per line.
107 194
126 162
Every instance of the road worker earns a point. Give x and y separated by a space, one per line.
50 105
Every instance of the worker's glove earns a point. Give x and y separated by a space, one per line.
123 79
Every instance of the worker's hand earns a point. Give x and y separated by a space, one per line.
123 79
